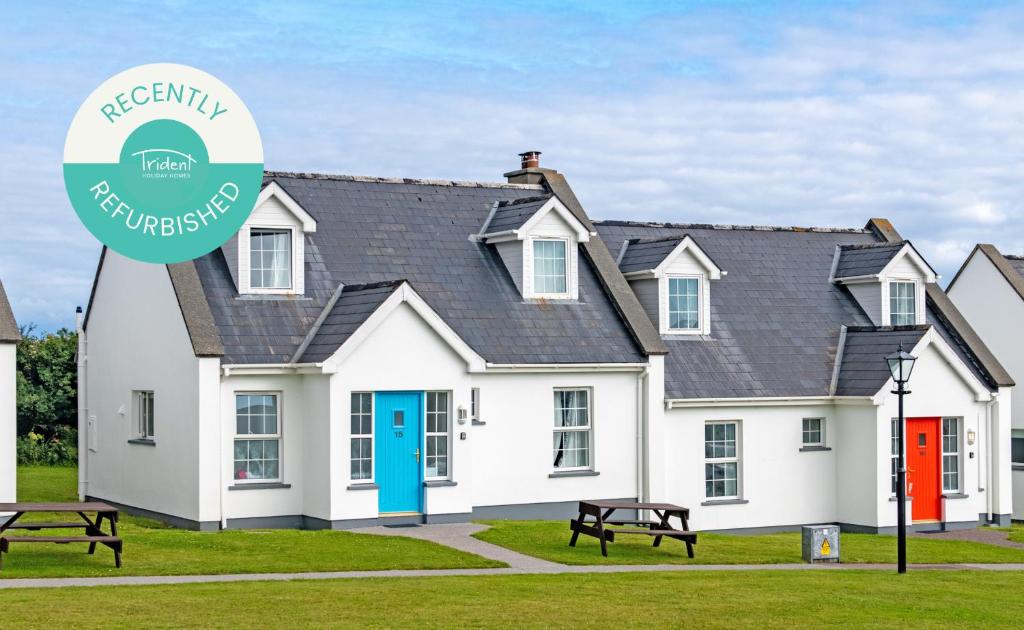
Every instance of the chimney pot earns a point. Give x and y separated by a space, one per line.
530 159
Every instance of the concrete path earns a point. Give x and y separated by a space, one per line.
985 535
460 536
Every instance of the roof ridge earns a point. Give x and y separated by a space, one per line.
878 245
1013 256
366 286
397 180
660 239
505 203
908 328
717 226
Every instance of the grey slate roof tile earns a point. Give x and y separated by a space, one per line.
863 370
355 304
377 230
512 214
775 319
865 259
646 254
9 332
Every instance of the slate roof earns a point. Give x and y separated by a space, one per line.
865 259
9 332
863 371
775 319
1017 262
378 230
646 254
354 305
512 214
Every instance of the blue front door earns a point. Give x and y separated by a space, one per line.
397 425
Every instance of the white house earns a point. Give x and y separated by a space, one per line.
9 337
989 291
374 350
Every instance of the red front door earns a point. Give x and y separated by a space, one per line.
924 468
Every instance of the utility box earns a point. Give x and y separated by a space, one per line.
820 543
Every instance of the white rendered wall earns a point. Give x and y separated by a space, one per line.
782 485
861 444
137 341
936 391
8 423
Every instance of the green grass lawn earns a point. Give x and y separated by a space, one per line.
152 548
1017 532
771 599
550 540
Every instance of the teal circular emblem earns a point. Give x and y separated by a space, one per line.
163 163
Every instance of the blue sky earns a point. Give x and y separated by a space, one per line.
802 113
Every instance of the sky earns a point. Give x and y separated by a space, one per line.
735 112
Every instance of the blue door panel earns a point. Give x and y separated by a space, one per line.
397 426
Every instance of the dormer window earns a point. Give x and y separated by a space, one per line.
550 268
902 303
270 258
269 254
671 276
887 279
538 239
684 304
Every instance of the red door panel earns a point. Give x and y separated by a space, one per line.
924 468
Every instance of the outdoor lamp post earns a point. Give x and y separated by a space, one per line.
901 364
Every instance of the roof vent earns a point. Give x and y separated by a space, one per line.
530 159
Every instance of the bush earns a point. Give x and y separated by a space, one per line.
56 447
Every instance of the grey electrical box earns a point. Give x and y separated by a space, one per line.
820 543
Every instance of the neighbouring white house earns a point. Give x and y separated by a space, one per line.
989 291
9 338
371 350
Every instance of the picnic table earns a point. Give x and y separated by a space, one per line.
602 512
93 528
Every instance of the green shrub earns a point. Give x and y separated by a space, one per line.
58 448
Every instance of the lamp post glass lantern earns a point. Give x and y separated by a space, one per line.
901 364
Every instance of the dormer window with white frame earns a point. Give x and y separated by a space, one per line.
888 280
538 239
671 277
271 245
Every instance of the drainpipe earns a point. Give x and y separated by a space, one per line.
641 431
83 407
988 456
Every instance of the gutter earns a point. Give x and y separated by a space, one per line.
565 367
682 403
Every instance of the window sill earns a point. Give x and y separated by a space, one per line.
259 486
440 483
363 486
955 495
479 423
813 449
894 499
573 473
1018 466
142 441
725 502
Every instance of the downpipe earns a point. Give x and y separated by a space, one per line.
988 456
83 406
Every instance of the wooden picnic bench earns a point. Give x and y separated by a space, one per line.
602 511
93 528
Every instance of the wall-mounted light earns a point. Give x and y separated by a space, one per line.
971 436
462 415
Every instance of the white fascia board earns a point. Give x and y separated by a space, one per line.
493 368
554 205
273 189
239 369
688 244
908 251
934 340
683 403
405 294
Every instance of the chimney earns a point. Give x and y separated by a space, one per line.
531 159
529 171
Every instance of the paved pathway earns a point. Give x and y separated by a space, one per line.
459 536
986 535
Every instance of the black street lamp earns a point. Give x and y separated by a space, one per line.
901 364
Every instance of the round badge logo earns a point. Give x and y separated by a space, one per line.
163 163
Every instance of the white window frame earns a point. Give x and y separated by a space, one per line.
699 329
569 266
887 300
474 404
804 432
291 232
443 436
894 455
588 428
353 436
735 459
955 454
279 436
145 423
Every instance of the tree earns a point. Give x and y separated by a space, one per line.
47 380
